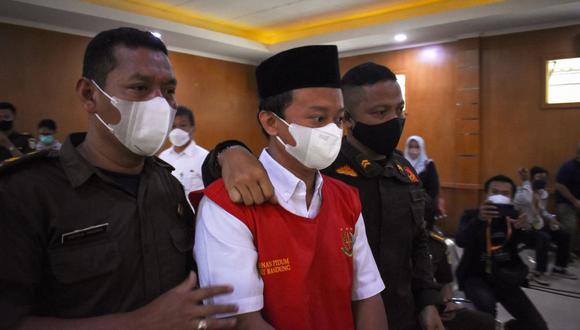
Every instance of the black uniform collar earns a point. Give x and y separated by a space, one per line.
395 166
360 161
79 170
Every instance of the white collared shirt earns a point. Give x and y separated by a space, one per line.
536 215
53 146
291 191
225 252
187 165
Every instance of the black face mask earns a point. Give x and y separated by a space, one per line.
5 125
382 138
539 184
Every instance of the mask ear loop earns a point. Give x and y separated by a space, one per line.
102 91
285 122
278 137
113 102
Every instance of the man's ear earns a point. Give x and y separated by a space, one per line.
348 121
268 122
86 92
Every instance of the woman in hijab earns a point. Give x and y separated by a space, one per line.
425 167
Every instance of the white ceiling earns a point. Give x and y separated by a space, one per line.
263 13
83 18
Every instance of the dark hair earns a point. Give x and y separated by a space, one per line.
99 57
9 106
367 74
537 170
362 75
185 111
275 104
500 178
47 123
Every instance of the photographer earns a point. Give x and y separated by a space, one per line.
490 269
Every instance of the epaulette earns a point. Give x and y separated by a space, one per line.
163 163
366 166
16 162
437 237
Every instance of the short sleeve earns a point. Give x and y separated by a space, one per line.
367 280
226 255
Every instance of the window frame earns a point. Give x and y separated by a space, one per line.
544 80
404 92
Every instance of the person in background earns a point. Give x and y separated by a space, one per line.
490 270
12 143
453 315
46 140
542 228
568 199
184 154
416 154
99 235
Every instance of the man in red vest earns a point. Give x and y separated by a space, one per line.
305 262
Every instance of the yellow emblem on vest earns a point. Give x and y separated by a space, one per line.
365 163
269 267
346 170
347 236
400 168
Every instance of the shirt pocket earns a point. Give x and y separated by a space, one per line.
177 256
417 199
192 180
74 264
182 238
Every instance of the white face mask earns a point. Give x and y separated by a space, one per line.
499 199
315 148
143 126
178 137
414 153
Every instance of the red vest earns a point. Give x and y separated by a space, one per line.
306 264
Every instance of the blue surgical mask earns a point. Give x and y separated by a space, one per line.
46 139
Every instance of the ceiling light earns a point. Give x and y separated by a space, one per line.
156 34
400 37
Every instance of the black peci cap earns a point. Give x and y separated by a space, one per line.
303 67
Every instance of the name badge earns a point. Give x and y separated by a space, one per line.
83 233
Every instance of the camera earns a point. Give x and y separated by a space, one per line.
506 210
499 225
